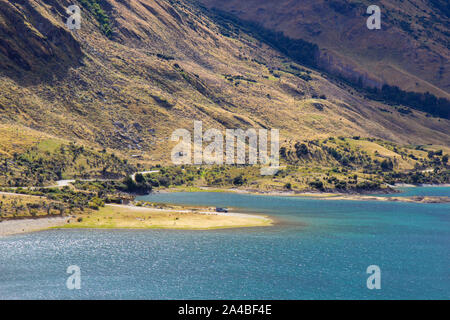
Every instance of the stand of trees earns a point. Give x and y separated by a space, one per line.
307 53
299 50
426 102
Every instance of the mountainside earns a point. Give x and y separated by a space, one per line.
410 50
137 70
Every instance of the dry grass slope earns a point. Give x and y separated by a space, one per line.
165 64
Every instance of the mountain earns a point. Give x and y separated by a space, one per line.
137 70
410 50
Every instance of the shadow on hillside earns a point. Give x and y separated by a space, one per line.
33 47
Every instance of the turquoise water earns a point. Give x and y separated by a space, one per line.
319 250
421 191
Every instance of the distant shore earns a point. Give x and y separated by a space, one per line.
406 185
190 218
322 195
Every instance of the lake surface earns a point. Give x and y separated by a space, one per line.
318 250
435 191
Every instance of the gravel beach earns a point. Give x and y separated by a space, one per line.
29 225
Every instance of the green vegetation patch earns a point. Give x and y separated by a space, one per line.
51 160
100 15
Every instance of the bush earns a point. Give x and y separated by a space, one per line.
139 178
96 203
387 165
368 185
239 180
94 7
340 185
301 149
317 185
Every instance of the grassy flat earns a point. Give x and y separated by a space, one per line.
122 217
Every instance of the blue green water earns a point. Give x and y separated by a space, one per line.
318 250
421 191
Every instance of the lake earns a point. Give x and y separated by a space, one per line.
319 249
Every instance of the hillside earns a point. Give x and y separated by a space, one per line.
410 50
137 70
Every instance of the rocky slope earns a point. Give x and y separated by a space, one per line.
410 50
138 69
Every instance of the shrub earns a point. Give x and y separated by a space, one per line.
387 165
96 203
239 180
317 185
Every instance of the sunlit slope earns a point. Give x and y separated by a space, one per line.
410 50
163 65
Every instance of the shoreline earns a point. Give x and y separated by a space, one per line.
19 226
372 196
214 213
195 217
114 216
213 221
406 185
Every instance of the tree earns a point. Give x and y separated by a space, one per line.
61 209
238 180
32 208
317 184
387 165
301 149
139 178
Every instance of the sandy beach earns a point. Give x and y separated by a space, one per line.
11 227
214 213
